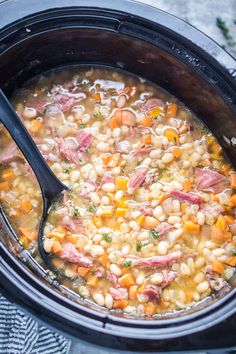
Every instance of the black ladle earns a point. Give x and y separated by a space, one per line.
50 185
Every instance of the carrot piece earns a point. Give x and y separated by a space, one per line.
150 309
171 134
233 180
176 151
5 186
225 169
171 110
8 174
114 160
133 290
121 183
191 227
26 206
147 139
146 121
218 236
29 233
126 280
97 96
82 271
72 239
93 281
122 202
36 125
183 207
56 247
233 200
115 120
229 219
216 148
104 260
120 304
106 158
97 221
59 233
154 113
121 211
221 223
163 198
231 261
187 185
217 267
140 220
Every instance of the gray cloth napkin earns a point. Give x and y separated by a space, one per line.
20 334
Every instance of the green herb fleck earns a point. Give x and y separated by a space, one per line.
107 238
127 264
154 234
138 246
76 212
66 170
234 253
92 208
82 125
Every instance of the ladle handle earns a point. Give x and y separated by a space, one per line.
48 182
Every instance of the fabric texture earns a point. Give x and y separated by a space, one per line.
20 334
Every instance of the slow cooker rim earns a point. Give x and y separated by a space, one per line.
184 318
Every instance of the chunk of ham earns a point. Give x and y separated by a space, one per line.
152 292
69 153
141 152
151 103
107 178
210 181
73 224
157 261
86 188
63 100
168 277
71 254
138 178
164 228
39 104
191 198
9 154
119 294
113 279
84 139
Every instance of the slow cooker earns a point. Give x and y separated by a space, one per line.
36 36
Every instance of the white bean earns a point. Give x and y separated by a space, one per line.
108 187
108 301
121 101
29 112
97 250
157 212
99 299
167 157
115 269
162 248
202 287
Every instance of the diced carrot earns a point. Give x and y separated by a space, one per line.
193 218
210 140
59 233
120 304
171 110
114 160
147 139
115 120
133 290
126 280
93 281
217 267
227 205
176 151
106 158
231 261
72 239
121 183
104 260
29 233
97 96
24 240
122 202
26 206
171 134
154 113
146 121
121 211
8 174
82 271
216 148
163 198
36 125
233 200
150 309
225 169
191 227
183 207
187 185
218 236
221 223
140 220
4 186
233 180
229 219
56 247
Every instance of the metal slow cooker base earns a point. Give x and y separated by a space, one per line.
38 35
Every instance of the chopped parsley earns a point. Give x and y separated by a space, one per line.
66 170
234 253
82 125
127 264
154 234
138 246
107 238
76 212
92 208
